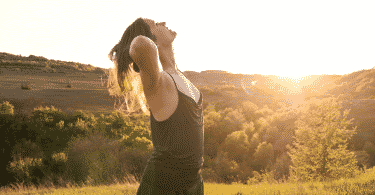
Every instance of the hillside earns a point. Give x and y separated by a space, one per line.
48 79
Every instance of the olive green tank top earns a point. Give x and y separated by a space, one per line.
179 139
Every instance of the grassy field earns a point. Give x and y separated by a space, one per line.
363 183
87 92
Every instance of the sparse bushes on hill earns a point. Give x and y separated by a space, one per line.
25 87
37 58
41 64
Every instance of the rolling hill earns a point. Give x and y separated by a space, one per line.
48 80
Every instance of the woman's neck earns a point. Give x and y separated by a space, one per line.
167 60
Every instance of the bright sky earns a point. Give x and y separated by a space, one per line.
284 38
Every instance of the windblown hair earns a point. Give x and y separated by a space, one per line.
120 52
131 96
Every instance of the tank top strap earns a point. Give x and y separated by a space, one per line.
173 80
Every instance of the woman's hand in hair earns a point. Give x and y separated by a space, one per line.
144 53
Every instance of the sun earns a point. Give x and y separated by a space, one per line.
292 84
296 80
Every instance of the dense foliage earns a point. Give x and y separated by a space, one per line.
51 144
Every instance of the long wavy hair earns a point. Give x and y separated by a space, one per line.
120 52
125 72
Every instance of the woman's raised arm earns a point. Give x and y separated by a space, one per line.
144 53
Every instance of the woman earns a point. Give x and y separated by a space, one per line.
175 109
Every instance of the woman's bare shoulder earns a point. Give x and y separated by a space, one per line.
141 42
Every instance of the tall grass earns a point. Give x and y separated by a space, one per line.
363 183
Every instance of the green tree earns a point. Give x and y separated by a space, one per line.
212 135
254 142
249 129
369 147
263 157
237 146
319 150
232 121
264 112
281 167
209 108
249 109
261 125
227 170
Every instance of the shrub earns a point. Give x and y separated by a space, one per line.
26 149
134 161
246 170
363 159
25 87
281 168
227 170
93 159
6 108
48 128
257 178
58 163
23 169
209 175
86 116
47 116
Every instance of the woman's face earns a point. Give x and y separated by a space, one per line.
163 35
